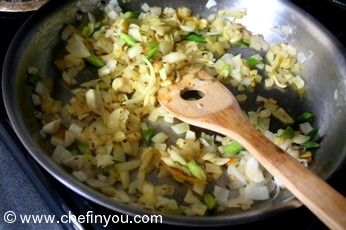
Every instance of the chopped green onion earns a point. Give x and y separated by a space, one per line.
131 14
32 79
95 61
287 133
252 61
313 133
311 145
100 85
97 26
153 49
210 201
242 42
232 149
306 117
127 39
87 31
196 170
148 135
97 86
195 38
83 148
170 211
226 70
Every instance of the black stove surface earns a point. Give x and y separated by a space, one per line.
331 13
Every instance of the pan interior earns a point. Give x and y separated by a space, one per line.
325 74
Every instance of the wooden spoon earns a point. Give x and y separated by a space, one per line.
219 111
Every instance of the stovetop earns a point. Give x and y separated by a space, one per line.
59 200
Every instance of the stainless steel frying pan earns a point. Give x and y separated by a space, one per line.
325 74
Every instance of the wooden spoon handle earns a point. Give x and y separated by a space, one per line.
317 195
219 111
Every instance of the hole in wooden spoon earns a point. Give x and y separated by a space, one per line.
191 95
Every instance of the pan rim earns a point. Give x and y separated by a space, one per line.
63 177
